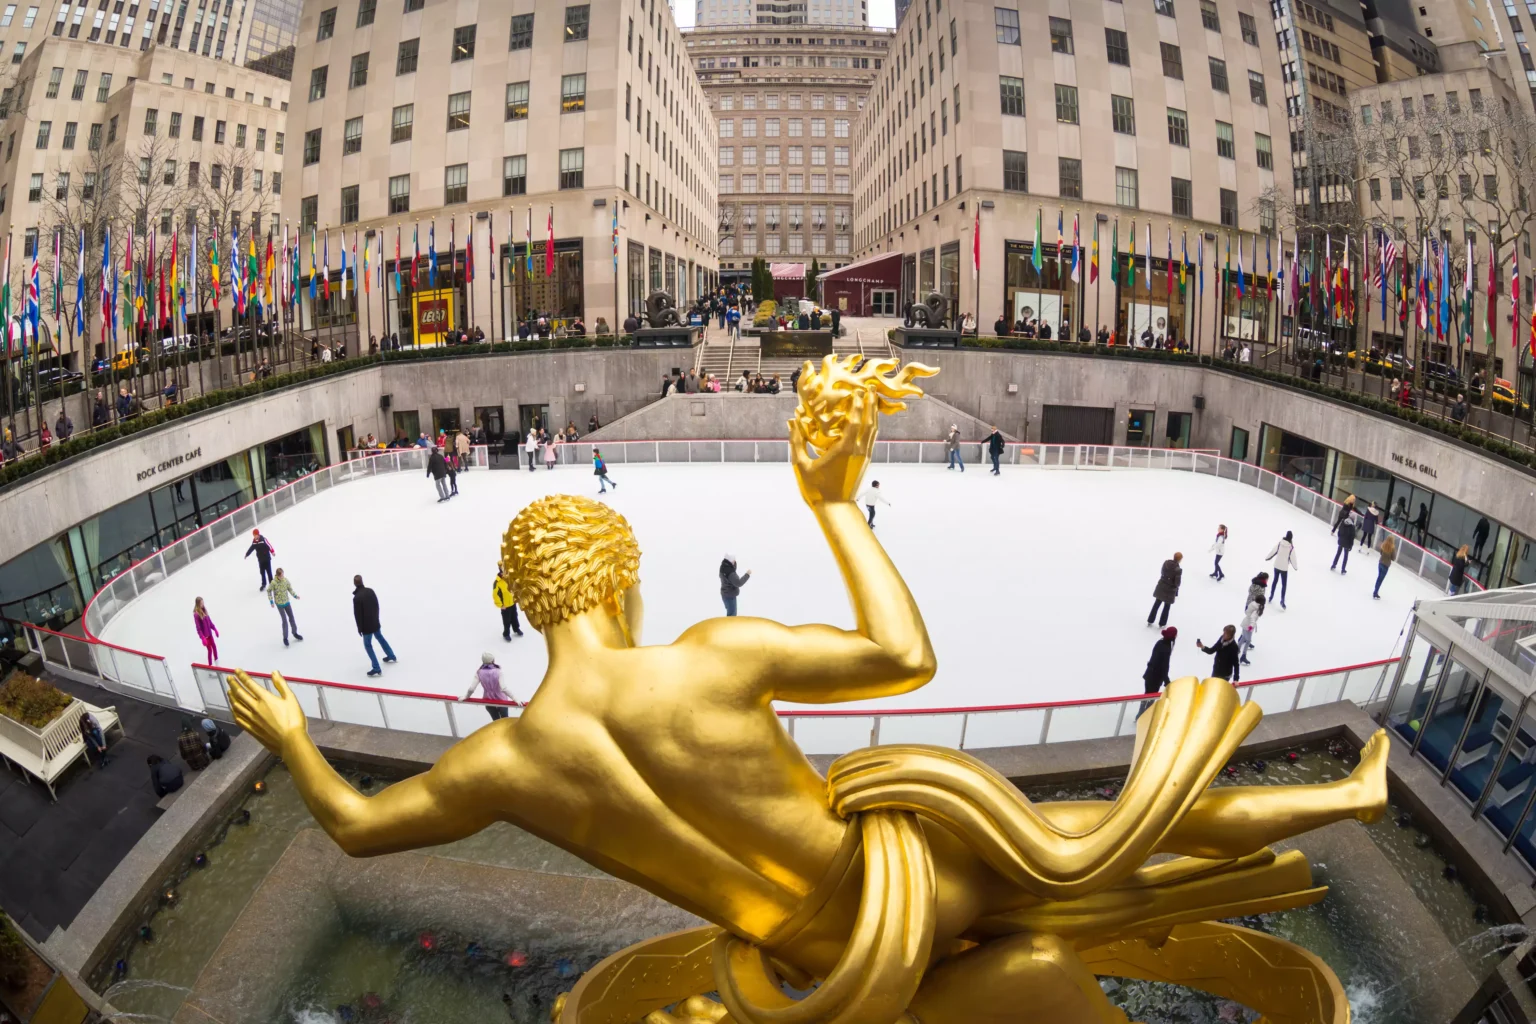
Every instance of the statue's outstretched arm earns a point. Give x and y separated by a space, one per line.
446 803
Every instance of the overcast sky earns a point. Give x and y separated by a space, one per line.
882 13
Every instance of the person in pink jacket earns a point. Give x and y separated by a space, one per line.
206 630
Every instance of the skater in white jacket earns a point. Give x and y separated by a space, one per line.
870 496
1220 548
1284 556
1250 623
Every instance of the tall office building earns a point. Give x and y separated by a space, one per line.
784 107
722 13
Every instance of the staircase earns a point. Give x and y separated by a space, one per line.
718 358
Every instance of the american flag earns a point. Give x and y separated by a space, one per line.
1388 259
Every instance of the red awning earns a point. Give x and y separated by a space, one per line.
870 270
787 271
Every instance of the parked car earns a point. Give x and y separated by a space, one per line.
124 360
1504 397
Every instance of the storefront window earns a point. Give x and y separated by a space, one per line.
949 276
1366 482
558 297
636 278
1147 312
924 274
654 256
39 586
1029 295
1293 457
288 458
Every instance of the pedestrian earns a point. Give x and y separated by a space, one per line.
1345 511
731 583
218 740
995 449
437 469
1479 538
1421 523
592 423
1167 588
1155 677
1284 556
488 682
1219 546
164 777
263 550
101 412
1346 543
281 596
1459 410
1388 553
63 427
461 449
1458 579
365 612
1257 586
505 600
94 739
206 630
1225 650
453 479
1368 530
531 447
549 451
870 496
600 470
952 443
193 745
1250 623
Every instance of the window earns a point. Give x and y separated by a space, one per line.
111 135
1256 90
359 76
1475 99
1218 74
1122 112
55 79
399 193
456 184
573 94
840 127
103 87
352 136
1178 128
35 189
309 213
1225 144
414 5
572 161
78 92
349 204
1249 29
405 59
522 39
1126 190
463 43
194 172
517 101
402 120
312 147
1396 188
1012 90
1228 208
317 78
1173 61
1066 104
1117 47
1209 16
1061 35
61 186
1181 198
1007 21
1163 7
1264 152
218 132
577 17
1366 113
10 13
365 10
93 143
1491 188
458 111
514 176
215 176
261 138
1418 186
818 127
1452 103
1015 171
1070 174
327 25
1407 108
69 134
44 132
1464 181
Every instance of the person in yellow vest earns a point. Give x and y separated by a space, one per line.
501 593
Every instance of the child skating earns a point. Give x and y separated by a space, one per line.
600 470
1219 546
870 496
281 595
206 630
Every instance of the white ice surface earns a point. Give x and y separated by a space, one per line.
1035 585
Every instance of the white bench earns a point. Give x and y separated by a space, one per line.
46 753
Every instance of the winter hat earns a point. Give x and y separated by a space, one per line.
255 533
208 725
1171 633
730 558
487 658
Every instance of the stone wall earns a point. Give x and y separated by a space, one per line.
741 417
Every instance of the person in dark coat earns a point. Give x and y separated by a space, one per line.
1346 531
365 612
437 469
1479 538
1156 675
164 777
218 739
193 745
1167 588
1225 650
731 583
1458 578
263 550
836 316
995 449
1345 511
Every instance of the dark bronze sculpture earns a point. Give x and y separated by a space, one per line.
933 314
661 311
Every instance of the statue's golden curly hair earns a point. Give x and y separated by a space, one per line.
566 554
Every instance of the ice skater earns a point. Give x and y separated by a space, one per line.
1219 546
506 601
1225 650
1368 527
365 612
453 478
1256 588
870 497
461 449
600 470
531 447
1388 552
952 443
1458 578
549 451
437 469
995 449
281 595
1155 677
1167 588
1250 623
263 550
1342 515
206 630
1346 534
1284 557
488 682
731 583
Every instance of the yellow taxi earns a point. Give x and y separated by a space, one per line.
1504 396
124 359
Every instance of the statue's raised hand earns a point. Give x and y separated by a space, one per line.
273 718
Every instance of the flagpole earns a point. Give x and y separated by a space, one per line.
1098 286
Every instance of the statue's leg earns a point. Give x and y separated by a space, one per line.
1020 977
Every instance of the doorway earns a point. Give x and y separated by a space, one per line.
444 421
344 440
408 424
1178 429
1139 428
531 417
1077 424
882 302
488 417
1239 447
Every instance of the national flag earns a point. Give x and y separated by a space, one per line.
549 246
1365 256
1493 293
975 239
469 253
415 255
1242 289
1034 257
266 276
432 254
34 296
236 272
1445 292
1114 253
1400 269
343 265
1093 259
1169 266
1466 295
453 251
1060 240
79 286
1295 273
1514 300
58 266
1533 330
192 275
490 242
1149 256
1383 269
615 240
397 261
367 266
528 244
1130 265
1200 266
1226 273
106 297
1077 247
1183 263
325 267
314 269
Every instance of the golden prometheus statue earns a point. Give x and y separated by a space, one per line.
913 884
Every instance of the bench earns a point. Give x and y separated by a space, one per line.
47 753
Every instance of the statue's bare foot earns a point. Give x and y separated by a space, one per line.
1370 778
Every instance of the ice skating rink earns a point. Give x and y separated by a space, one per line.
1035 585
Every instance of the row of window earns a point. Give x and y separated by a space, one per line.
795 154
794 126
773 245
220 131
455 186
793 183
1430 107
578 19
793 101
1069 173
169 174
1006 21
1122 108
1466 186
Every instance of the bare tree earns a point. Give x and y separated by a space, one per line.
234 194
